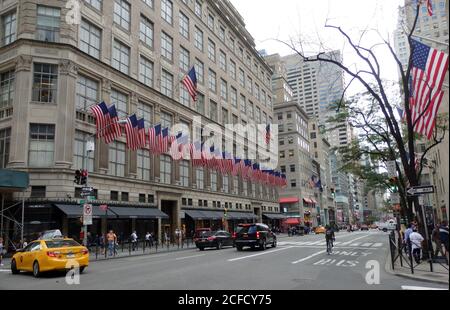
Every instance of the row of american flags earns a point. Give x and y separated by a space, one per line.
158 140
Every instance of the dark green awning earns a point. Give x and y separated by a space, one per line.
138 213
13 181
241 216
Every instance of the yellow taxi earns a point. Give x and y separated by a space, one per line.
50 254
320 230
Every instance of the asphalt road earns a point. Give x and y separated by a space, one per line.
298 263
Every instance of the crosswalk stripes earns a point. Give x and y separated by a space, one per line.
336 243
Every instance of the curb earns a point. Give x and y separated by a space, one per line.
388 269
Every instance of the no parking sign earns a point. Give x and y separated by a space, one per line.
87 214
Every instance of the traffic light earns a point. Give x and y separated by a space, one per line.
84 176
77 177
332 192
393 184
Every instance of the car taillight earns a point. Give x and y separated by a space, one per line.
85 252
51 254
234 235
257 235
211 238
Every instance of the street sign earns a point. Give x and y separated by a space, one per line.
395 198
420 190
87 191
87 214
392 169
421 200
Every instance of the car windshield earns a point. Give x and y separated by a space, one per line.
203 233
247 230
61 243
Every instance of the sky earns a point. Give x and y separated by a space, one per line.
294 19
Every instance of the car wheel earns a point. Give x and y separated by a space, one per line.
274 243
219 246
263 245
36 272
239 248
14 269
82 269
201 248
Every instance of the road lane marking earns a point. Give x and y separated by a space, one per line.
377 245
351 241
422 288
355 244
253 255
308 257
186 257
368 244
5 270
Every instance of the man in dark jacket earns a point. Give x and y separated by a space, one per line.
443 236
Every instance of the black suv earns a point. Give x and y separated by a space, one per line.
254 235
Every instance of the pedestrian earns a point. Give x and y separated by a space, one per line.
1 251
443 236
178 235
24 243
112 239
416 240
134 238
289 232
166 237
408 232
435 236
148 235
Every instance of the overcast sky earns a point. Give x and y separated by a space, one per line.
285 19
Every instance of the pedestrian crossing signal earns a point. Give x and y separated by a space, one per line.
84 176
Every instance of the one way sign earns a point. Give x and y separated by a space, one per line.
420 190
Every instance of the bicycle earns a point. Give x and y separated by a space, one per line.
329 246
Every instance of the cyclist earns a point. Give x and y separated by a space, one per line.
329 237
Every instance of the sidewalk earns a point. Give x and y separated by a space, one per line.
421 272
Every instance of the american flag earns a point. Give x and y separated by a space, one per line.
101 114
141 132
152 136
190 81
114 129
430 7
228 162
236 166
177 145
132 132
163 142
196 154
429 67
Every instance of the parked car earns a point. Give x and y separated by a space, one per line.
213 239
364 227
319 230
254 235
50 254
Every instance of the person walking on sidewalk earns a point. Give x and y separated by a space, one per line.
134 238
437 240
1 251
112 239
416 244
147 239
443 236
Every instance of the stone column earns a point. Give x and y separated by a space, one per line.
65 129
20 129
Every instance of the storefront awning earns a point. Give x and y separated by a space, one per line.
204 214
289 200
241 216
307 200
13 181
138 213
75 211
274 216
292 221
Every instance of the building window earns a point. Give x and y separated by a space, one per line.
38 191
213 111
233 70
184 59
7 81
198 39
114 196
142 198
210 22
167 10
96 4
122 14
251 110
143 165
45 83
166 46
145 111
199 70
167 83
48 23
233 95
8 28
245 188
223 89
293 183
117 159
200 104
242 78
79 152
121 57
90 39
214 181
212 81
199 173
146 31
243 104
185 98
222 33
184 25
42 145
149 3
249 85
198 8
151 198
146 71
292 168
184 173
223 61
224 116
166 120
5 140
282 154
124 196
291 153
212 51
258 115
120 100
